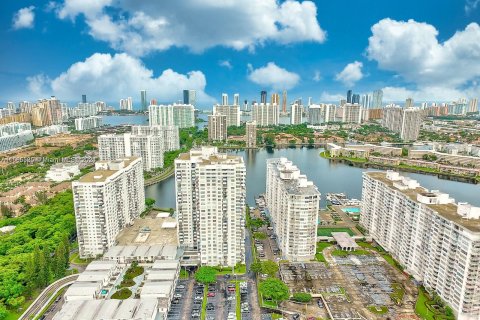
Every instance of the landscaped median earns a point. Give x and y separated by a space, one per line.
204 303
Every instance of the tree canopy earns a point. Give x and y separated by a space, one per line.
206 275
274 289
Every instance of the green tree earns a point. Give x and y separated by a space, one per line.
269 267
43 273
58 263
39 263
29 275
302 297
274 289
66 244
3 312
149 202
41 197
16 302
206 275
256 266
260 235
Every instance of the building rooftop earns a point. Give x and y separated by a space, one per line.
102 175
156 288
344 240
448 211
100 265
209 155
294 182
165 265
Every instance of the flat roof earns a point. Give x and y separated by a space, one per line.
156 275
447 211
101 265
169 251
103 175
161 288
84 288
165 264
156 235
93 276
344 240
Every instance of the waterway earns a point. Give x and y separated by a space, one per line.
327 176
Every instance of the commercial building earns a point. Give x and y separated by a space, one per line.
352 113
89 123
296 114
62 172
436 240
231 112
217 127
210 202
105 201
180 115
265 114
251 134
15 135
293 204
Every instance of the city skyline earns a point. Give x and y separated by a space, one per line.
316 56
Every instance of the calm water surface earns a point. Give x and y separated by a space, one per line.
327 176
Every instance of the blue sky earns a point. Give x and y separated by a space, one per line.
111 49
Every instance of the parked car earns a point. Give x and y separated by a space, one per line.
211 294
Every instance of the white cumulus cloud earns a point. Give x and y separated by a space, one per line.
317 76
329 97
350 74
111 77
24 18
471 5
225 63
141 27
273 76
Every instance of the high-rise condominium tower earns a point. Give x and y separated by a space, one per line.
315 114
296 116
224 99
349 96
436 240
293 202
263 96
231 112
251 134
84 98
106 201
265 114
284 101
352 113
377 99
236 99
143 100
190 97
210 201
275 99
180 115
217 127
405 122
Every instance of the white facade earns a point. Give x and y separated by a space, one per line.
14 135
62 172
352 113
293 204
181 115
251 134
210 201
296 114
88 123
169 134
217 127
52 130
265 114
315 114
406 122
231 112
105 201
435 239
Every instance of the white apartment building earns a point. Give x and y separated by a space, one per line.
352 113
210 202
315 114
434 238
14 135
105 201
296 114
149 147
181 115
169 134
231 112
265 114
217 127
62 172
293 203
126 104
52 130
89 123
251 134
406 122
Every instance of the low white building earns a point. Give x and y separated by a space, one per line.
62 172
79 290
52 130
15 135
88 123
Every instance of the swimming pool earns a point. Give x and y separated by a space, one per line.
351 210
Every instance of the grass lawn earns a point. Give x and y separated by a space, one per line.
133 271
276 316
392 261
122 294
341 253
127 283
424 309
366 245
260 235
74 258
184 274
398 293
378 309
320 246
237 293
327 232
204 303
238 269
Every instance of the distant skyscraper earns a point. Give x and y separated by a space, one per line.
263 96
377 99
224 99
409 103
473 105
296 114
309 101
190 97
265 114
352 113
236 99
126 104
404 121
143 100
349 96
314 114
275 99
84 98
366 101
356 98
245 105
284 101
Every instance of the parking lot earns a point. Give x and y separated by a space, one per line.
181 307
